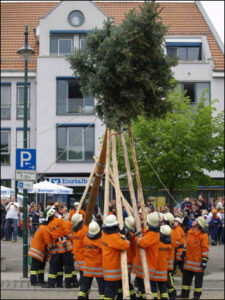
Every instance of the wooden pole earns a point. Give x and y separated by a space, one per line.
138 179
99 171
107 173
137 219
86 189
123 256
129 209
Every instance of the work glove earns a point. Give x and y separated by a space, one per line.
122 231
204 263
128 235
137 233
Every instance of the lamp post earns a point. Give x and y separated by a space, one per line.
25 52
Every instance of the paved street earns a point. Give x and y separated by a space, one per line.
14 286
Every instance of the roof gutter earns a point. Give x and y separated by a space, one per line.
211 26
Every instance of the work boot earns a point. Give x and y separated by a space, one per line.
48 285
75 282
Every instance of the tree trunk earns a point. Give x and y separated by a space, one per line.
123 257
138 179
99 171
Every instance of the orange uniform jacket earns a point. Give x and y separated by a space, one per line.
160 273
172 252
137 265
93 257
73 211
59 231
78 246
180 241
150 242
112 244
131 253
40 243
197 247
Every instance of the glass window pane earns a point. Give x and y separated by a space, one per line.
200 87
5 147
61 143
171 51
83 41
65 46
89 143
75 142
189 87
193 53
89 104
53 45
182 53
74 89
5 95
61 96
75 97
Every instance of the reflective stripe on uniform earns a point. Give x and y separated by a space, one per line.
132 292
74 272
111 271
36 255
171 290
112 276
164 295
198 290
68 275
205 253
41 271
92 273
192 262
192 268
52 276
158 277
33 272
186 287
92 268
101 296
34 249
155 295
82 294
59 273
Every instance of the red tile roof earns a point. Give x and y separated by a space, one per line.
181 18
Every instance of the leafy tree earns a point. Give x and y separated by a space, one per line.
124 67
180 146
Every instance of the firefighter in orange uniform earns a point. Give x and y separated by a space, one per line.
197 250
79 232
149 242
39 250
159 278
180 241
73 211
112 244
93 262
61 249
168 219
129 229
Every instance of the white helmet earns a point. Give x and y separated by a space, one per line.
161 215
153 219
111 220
50 212
93 228
178 220
76 203
165 229
130 223
169 217
76 219
201 221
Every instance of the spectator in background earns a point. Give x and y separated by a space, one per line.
34 215
150 204
3 214
186 203
12 213
41 217
211 204
191 220
214 225
222 223
65 213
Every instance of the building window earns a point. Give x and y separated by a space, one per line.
5 101
64 44
6 182
5 146
70 99
76 18
194 90
185 51
75 143
20 101
19 138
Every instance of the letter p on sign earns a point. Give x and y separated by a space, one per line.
24 157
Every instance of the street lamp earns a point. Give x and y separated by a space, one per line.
25 52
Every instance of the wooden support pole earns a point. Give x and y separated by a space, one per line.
137 219
99 171
138 179
124 269
86 189
107 173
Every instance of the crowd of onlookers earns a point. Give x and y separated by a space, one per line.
188 211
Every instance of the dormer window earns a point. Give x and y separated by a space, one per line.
185 51
76 18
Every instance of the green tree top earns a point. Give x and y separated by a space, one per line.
124 67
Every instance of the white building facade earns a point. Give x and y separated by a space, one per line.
62 124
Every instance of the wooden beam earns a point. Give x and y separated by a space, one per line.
124 269
107 174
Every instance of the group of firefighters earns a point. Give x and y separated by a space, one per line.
96 251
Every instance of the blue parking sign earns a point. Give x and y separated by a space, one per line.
26 159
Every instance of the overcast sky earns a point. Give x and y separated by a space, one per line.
215 11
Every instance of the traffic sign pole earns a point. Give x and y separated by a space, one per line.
25 236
